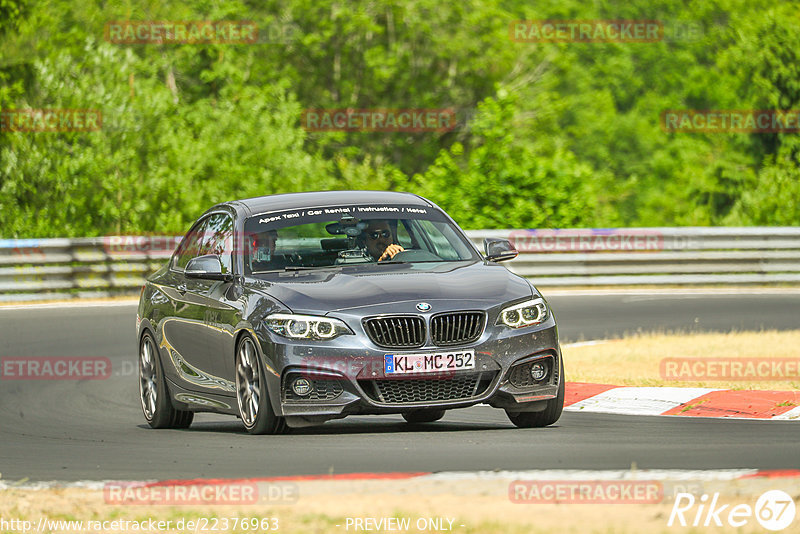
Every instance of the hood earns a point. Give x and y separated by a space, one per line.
327 290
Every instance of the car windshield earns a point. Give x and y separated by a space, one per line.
344 235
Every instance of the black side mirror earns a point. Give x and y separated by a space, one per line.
499 249
208 267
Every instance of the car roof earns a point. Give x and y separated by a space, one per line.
288 201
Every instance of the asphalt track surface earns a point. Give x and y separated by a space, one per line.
94 429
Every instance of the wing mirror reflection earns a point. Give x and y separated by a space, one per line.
208 267
499 249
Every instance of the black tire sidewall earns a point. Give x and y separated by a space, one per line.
550 414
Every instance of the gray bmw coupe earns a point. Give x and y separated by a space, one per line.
290 310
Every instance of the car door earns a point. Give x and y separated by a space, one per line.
186 334
221 314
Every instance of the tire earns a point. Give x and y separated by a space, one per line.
423 416
153 392
546 417
255 408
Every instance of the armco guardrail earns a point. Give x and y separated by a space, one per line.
46 268
658 256
34 269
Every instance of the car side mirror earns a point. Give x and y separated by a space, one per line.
208 267
499 249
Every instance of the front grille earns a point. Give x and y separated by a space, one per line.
321 389
403 331
454 328
520 374
403 391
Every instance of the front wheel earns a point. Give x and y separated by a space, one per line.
255 409
546 417
153 393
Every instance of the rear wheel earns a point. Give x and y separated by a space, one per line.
255 409
548 416
153 393
423 416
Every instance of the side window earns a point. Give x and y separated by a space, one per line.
403 239
442 246
190 245
218 239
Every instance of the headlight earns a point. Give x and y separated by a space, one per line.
306 326
524 314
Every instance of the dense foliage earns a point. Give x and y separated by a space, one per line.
550 134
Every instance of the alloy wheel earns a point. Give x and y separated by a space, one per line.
248 382
148 392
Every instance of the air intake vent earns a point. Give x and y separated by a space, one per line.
321 389
406 391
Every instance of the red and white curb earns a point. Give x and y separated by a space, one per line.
692 402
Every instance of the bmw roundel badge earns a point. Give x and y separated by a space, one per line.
423 306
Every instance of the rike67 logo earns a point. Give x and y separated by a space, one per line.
774 510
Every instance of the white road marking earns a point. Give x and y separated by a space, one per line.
638 400
791 415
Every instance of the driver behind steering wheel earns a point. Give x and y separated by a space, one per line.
262 251
380 241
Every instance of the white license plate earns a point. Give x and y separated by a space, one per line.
432 362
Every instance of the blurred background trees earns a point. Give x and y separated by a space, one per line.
550 134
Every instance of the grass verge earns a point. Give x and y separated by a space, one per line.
641 360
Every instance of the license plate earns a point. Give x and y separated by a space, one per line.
397 364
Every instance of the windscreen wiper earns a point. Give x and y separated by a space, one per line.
294 268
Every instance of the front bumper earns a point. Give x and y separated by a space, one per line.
347 376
